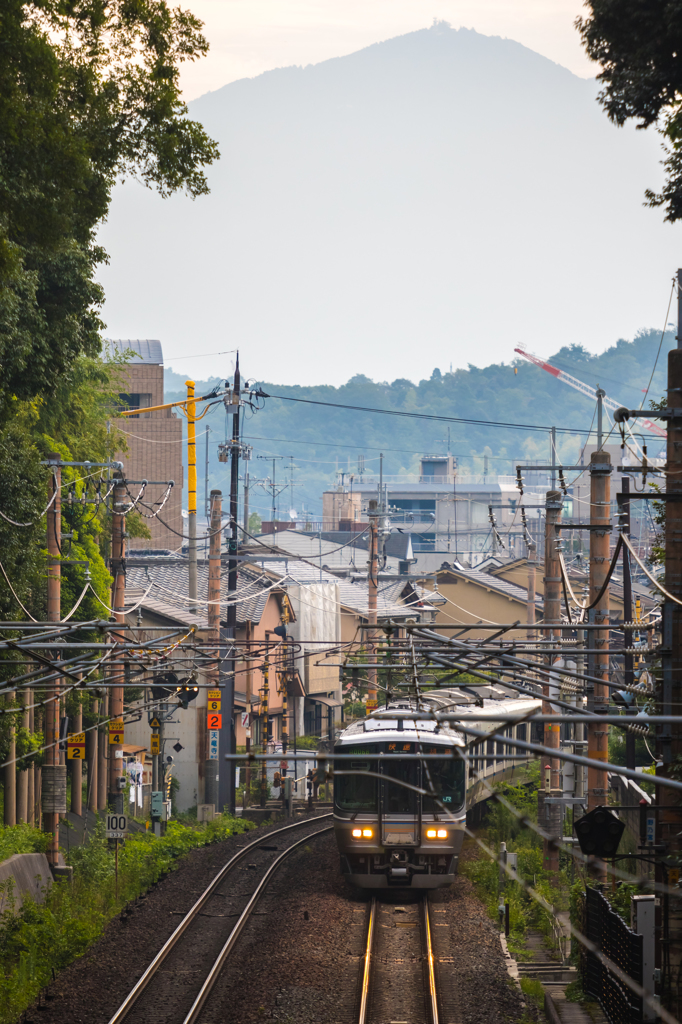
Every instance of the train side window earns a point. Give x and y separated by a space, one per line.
355 791
521 731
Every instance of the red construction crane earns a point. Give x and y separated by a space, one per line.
584 389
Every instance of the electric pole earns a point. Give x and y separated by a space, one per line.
192 494
372 589
211 764
552 615
628 660
669 694
227 737
118 604
598 700
53 773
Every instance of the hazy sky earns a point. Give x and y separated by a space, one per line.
248 37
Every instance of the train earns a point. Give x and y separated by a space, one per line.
388 833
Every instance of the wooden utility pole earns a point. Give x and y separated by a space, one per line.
598 701
77 769
10 773
628 659
192 494
211 769
552 615
372 590
103 755
53 774
118 604
91 747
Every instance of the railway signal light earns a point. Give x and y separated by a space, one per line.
186 693
599 832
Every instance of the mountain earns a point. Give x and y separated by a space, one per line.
323 440
433 199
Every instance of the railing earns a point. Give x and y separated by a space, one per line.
607 930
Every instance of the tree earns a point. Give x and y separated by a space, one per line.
89 93
639 47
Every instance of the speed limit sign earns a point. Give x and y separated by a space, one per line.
117 826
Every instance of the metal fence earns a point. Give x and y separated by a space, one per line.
607 930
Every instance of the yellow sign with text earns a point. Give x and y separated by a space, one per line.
116 731
155 744
214 694
75 746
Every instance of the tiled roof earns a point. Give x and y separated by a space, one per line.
353 594
168 595
490 582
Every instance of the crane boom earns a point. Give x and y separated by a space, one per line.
584 389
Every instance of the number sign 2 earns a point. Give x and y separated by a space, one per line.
215 721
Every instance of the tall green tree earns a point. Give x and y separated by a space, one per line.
89 92
638 44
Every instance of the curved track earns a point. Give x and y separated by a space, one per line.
398 981
177 983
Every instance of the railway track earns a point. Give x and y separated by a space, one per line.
398 980
178 982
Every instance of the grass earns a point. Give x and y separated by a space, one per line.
533 991
21 839
45 938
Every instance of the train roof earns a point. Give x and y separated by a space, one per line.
465 705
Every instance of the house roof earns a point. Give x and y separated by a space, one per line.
485 579
148 350
170 587
353 594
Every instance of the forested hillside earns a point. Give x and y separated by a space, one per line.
323 439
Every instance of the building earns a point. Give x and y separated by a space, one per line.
154 440
448 515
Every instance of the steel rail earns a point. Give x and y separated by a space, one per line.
367 964
141 984
214 973
430 963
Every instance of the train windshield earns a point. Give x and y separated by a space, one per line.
445 781
356 791
397 797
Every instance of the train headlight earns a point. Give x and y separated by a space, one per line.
357 833
362 833
431 833
367 833
439 833
442 833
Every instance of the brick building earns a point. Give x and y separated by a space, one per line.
155 448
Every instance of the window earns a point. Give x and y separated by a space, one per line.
398 799
355 791
446 779
521 734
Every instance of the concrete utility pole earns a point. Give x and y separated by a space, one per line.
192 494
372 589
10 774
552 614
530 600
211 766
118 604
598 701
103 755
53 774
227 736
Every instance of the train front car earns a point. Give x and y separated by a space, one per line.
389 834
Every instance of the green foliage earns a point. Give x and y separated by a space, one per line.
48 937
533 991
255 523
637 48
88 92
21 839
